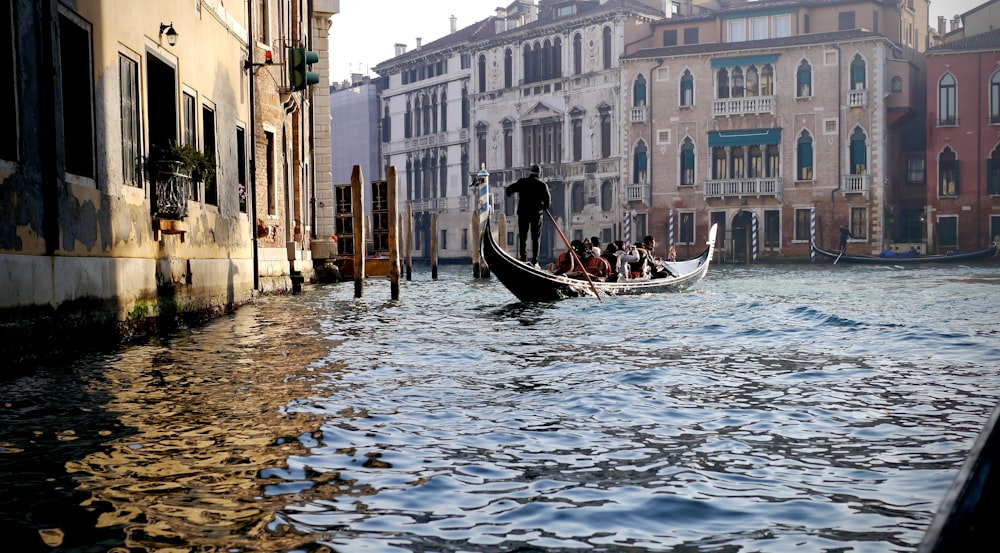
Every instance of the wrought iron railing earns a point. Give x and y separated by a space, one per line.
172 190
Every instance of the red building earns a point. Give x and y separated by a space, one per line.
963 143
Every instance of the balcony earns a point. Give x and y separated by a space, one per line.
640 114
638 193
737 188
172 190
752 105
428 205
857 98
857 184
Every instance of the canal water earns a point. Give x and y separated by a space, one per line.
771 408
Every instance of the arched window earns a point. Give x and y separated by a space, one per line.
639 159
803 80
577 54
577 197
737 162
993 172
753 82
508 68
755 167
465 108
443 178
546 60
408 121
687 89
738 85
606 47
605 132
995 98
639 91
482 73
804 157
723 81
557 58
859 153
526 64
417 179
687 163
508 143
418 114
444 110
947 101
857 73
718 163
767 81
947 173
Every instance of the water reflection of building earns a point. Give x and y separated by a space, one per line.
97 239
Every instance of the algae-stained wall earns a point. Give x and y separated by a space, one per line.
82 245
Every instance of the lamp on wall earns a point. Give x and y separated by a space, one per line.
168 30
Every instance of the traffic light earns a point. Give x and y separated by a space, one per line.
299 76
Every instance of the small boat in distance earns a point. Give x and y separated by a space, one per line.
529 283
906 258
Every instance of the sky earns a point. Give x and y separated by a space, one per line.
365 32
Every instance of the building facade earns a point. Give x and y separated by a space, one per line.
127 175
963 143
779 121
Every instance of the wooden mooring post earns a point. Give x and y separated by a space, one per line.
358 206
392 185
408 228
434 246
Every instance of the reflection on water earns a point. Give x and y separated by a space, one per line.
770 409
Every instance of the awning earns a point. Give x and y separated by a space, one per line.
744 60
744 138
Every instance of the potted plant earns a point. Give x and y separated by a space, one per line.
175 167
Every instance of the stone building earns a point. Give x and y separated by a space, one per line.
963 143
546 89
98 239
780 121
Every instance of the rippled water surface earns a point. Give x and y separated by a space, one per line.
772 408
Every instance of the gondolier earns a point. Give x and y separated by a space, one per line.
533 199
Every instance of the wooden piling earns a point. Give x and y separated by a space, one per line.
358 206
475 245
434 246
408 228
392 186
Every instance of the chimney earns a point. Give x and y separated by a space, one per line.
501 21
418 39
954 24
400 48
454 23
941 29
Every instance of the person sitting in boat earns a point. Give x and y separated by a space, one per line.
627 255
566 262
595 245
597 266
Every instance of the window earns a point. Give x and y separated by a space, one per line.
857 73
947 173
767 81
8 85
752 82
858 153
189 132
719 159
663 136
685 228
481 145
830 126
577 124
691 35
947 107
241 167
607 196
947 231
605 133
670 37
687 89
465 109
508 68
272 193
758 28
993 172
639 158
482 73
846 21
606 47
736 30
542 141
737 162
916 170
77 88
208 148
577 54
508 144
128 76
722 77
995 98
772 228
577 197
875 21
386 124
781 25
444 239
804 157
687 163
803 80
443 177
737 83
639 91
803 225
859 223
465 239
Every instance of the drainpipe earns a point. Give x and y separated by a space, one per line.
979 146
840 129
252 184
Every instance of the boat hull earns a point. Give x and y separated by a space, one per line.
528 283
958 257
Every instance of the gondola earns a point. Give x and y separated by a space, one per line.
529 283
907 258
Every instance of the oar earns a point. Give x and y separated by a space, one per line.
838 257
573 253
